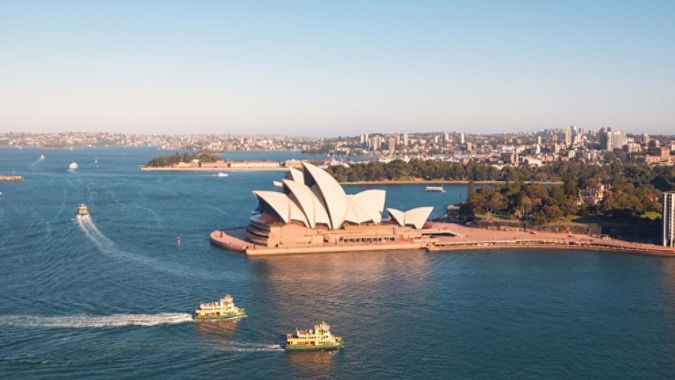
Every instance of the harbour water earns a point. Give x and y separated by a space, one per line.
111 297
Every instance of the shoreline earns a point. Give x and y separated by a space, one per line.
170 169
439 181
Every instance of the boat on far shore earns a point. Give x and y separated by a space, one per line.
435 189
221 174
73 166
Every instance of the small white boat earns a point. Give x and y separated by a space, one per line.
73 165
42 156
436 189
221 174
278 184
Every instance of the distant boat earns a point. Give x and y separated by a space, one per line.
73 166
42 156
278 184
221 174
82 211
96 161
436 189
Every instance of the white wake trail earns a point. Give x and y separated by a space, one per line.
108 247
95 321
249 347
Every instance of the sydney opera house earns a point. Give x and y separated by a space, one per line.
312 213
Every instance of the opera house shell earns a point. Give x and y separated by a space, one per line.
313 210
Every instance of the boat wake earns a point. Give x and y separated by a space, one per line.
102 242
108 247
250 347
95 321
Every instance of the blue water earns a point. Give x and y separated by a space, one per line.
111 298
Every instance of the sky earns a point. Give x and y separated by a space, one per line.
343 67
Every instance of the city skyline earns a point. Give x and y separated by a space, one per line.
327 69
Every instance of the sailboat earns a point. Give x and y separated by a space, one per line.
73 166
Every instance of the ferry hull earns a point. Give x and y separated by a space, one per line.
337 346
224 317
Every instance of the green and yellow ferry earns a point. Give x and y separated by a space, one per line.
317 338
223 309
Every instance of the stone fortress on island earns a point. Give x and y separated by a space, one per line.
312 213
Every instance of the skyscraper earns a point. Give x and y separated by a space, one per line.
461 138
405 139
391 145
669 219
567 135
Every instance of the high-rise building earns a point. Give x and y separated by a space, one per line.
461 138
376 142
391 144
610 140
669 219
405 139
567 135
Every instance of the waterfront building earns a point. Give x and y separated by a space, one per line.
313 211
669 219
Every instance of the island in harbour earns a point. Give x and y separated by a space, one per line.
212 162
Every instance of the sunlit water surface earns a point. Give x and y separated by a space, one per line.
111 296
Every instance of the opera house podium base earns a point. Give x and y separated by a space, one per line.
293 239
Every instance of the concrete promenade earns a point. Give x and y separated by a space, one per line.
454 237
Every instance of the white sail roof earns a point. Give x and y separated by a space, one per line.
282 205
373 203
333 195
297 176
415 217
315 197
309 203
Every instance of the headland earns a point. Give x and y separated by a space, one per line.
312 214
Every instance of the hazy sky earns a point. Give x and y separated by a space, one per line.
336 67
